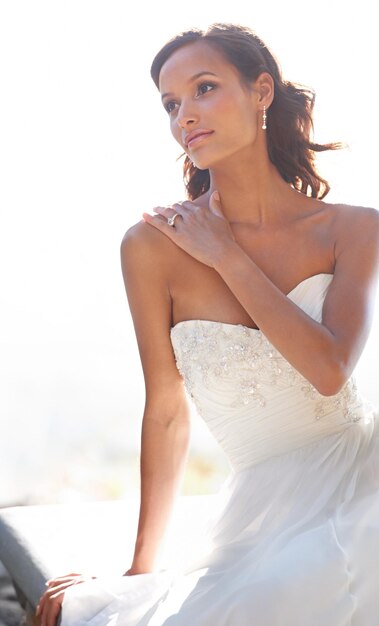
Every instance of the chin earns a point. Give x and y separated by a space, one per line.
200 166
204 161
206 164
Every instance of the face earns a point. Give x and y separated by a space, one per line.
202 91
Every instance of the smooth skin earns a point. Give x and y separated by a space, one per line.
231 257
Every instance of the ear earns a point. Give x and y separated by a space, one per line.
215 204
264 86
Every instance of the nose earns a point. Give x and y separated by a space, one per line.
186 115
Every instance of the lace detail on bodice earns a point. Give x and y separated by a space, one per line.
254 402
210 350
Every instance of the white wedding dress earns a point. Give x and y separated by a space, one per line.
294 538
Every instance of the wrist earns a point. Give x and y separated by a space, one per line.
139 569
228 256
145 558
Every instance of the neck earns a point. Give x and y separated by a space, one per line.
252 191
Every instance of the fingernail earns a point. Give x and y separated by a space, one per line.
216 195
37 610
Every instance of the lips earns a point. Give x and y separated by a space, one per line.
196 134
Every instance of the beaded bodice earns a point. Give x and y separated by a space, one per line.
253 400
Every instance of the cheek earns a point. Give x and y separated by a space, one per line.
240 128
236 116
174 128
176 132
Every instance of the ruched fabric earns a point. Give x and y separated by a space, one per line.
293 539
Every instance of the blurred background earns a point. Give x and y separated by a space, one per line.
85 148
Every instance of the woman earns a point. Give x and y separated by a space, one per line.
259 295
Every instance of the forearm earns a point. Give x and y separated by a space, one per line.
308 345
164 449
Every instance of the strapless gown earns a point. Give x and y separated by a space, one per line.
293 539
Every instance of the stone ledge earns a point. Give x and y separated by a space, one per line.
97 538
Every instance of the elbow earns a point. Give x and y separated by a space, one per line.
333 379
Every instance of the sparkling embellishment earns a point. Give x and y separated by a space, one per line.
242 360
264 125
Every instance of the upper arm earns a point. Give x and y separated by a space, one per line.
349 304
145 262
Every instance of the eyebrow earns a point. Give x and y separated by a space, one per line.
190 80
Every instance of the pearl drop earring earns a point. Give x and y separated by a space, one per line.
264 118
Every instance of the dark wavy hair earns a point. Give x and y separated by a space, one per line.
289 118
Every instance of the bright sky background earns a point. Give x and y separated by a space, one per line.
85 148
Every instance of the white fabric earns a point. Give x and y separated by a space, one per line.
294 536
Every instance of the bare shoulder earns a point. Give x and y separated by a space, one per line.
352 221
142 240
349 304
145 266
144 234
357 242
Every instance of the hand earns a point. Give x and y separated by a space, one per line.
203 232
50 602
130 572
134 570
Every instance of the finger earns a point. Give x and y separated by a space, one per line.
169 211
52 591
187 205
53 599
52 609
155 220
44 612
64 576
160 223
58 586
42 603
58 578
162 210
57 581
163 214
39 607
215 204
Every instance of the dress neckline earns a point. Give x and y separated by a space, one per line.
257 330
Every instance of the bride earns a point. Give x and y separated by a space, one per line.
259 295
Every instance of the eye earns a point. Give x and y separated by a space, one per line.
167 106
202 89
201 85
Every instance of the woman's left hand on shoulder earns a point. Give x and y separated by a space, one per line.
202 231
51 601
